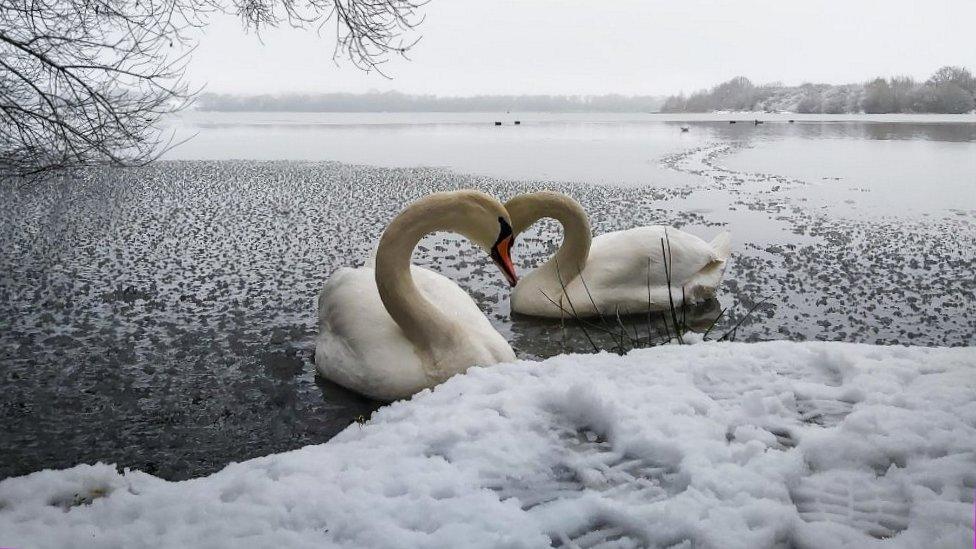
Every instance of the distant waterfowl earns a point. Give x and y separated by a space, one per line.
731 121
792 121
390 331
685 128
517 122
621 271
498 123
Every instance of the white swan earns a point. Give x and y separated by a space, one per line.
388 332
617 268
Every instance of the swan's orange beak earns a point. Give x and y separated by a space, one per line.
501 254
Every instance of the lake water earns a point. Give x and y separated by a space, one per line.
619 149
164 318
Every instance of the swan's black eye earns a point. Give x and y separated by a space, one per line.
505 230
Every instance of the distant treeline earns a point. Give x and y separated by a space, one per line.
400 102
950 90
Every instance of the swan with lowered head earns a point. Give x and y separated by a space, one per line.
623 271
392 330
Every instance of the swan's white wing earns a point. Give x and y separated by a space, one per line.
620 259
485 345
362 348
359 345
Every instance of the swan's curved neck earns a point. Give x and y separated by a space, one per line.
572 254
426 326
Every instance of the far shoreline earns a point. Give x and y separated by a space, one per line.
212 117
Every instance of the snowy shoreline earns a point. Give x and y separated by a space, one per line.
710 445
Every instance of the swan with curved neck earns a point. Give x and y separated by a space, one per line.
615 272
390 331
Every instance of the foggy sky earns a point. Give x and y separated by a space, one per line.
615 46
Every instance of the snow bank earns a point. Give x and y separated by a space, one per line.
713 445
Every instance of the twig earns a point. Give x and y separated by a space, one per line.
714 322
667 275
579 322
736 327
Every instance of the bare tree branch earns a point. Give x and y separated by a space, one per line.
88 81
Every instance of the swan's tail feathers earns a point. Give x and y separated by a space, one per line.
722 244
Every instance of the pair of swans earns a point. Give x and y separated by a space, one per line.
393 329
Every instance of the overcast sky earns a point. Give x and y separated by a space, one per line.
611 46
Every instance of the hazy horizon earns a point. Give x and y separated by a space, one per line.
638 48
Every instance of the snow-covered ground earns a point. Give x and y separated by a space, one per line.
712 445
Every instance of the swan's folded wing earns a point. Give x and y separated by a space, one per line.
455 302
359 345
620 259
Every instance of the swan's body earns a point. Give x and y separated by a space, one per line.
361 347
390 331
621 272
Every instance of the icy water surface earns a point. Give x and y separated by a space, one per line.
163 318
606 148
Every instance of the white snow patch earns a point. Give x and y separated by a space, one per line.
713 445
